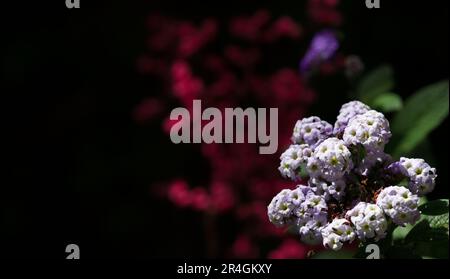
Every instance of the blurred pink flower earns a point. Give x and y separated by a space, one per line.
249 28
192 39
289 249
284 27
287 86
324 12
179 193
242 57
185 85
244 248
200 198
222 198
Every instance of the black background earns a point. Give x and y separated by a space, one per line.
76 167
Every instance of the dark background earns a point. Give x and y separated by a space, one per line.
77 167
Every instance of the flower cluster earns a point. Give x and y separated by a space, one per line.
281 208
399 204
353 187
347 112
370 129
336 233
311 214
369 221
331 160
421 176
301 208
334 189
311 131
292 160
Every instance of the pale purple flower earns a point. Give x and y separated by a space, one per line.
421 176
331 160
328 190
369 221
281 208
323 47
370 129
311 131
293 159
337 233
347 112
399 204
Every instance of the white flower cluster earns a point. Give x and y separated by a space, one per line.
328 190
336 233
369 221
293 159
399 204
280 209
347 112
311 131
421 176
331 160
344 170
370 129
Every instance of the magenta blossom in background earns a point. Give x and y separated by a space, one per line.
289 249
324 12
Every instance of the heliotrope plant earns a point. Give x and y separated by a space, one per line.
350 188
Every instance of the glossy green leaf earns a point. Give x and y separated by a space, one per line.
379 81
436 207
387 102
439 221
422 112
429 229
401 232
330 254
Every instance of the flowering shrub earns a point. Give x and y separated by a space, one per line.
341 168
354 189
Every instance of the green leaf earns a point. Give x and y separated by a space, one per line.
330 254
424 231
422 200
303 172
387 102
440 221
427 239
401 232
436 207
422 112
380 80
